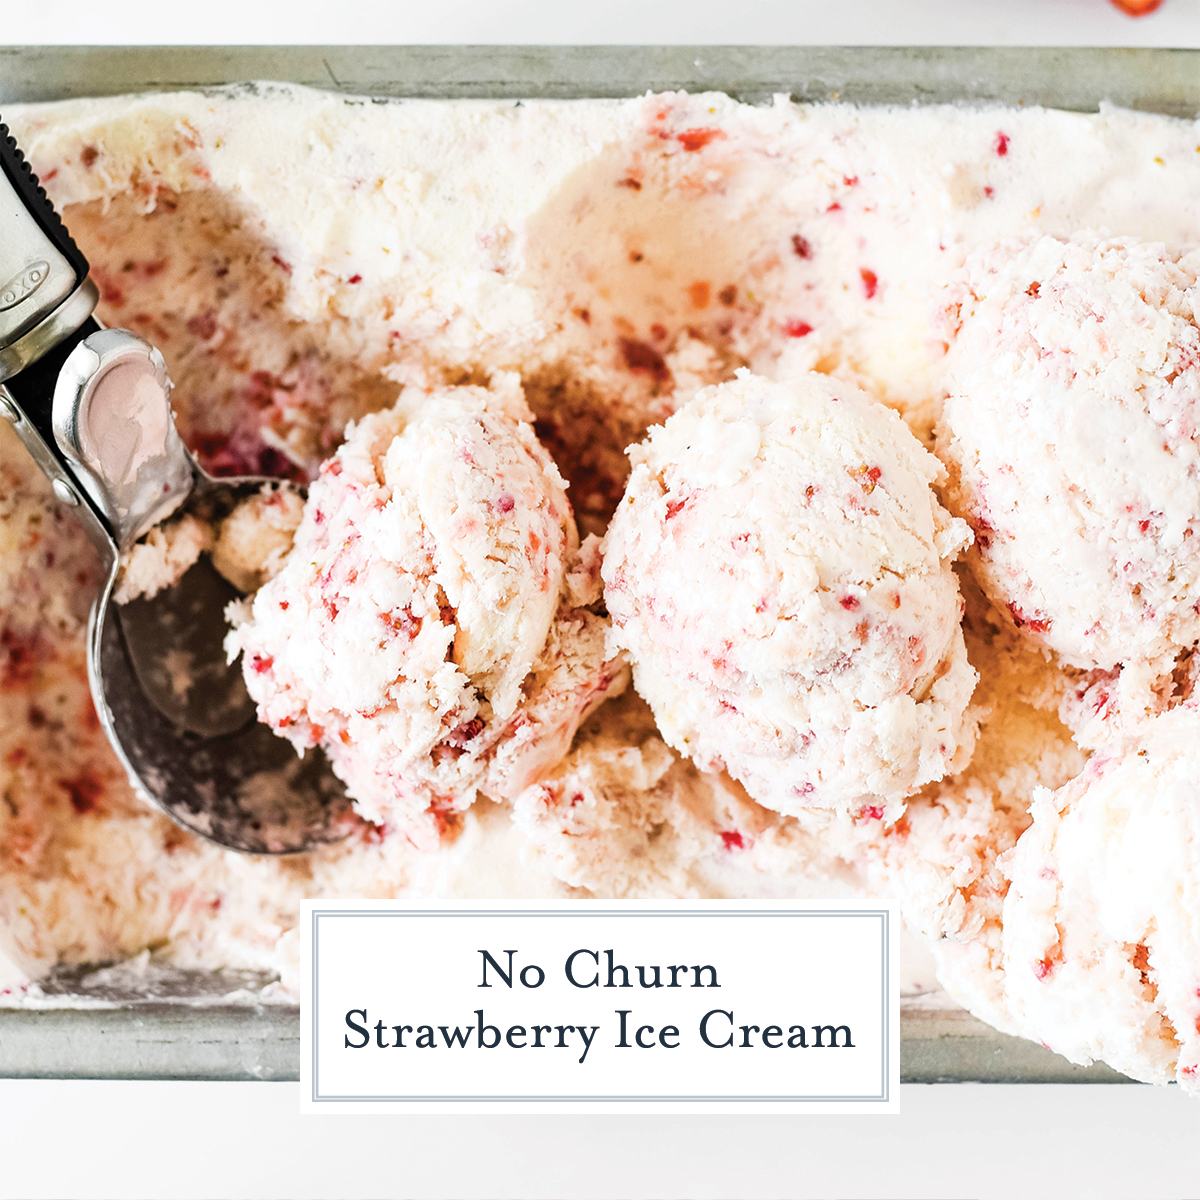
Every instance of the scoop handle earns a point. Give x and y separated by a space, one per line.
45 293
25 183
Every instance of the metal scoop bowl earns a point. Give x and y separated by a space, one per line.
93 408
178 716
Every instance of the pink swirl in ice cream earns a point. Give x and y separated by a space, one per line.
429 627
779 572
1071 427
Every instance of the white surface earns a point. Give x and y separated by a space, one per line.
628 22
211 1140
175 1140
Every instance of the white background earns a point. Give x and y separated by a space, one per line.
248 1140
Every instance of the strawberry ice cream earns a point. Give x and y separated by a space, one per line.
1102 917
300 258
779 573
1070 423
428 626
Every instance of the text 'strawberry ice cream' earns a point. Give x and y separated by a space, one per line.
1102 917
428 626
1071 422
779 573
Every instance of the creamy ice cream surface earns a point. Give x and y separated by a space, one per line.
1074 383
402 630
779 573
542 285
1101 922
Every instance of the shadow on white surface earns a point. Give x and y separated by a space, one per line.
177 1140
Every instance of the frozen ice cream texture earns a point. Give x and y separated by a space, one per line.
779 572
1101 924
429 626
1070 425
300 258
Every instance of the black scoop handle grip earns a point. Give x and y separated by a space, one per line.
37 203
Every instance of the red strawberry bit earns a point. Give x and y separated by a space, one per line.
674 508
849 603
697 139
1137 8
834 207
1044 967
989 192
283 266
468 731
1001 147
111 294
84 791
867 477
204 325
870 282
639 356
797 329
871 812
850 180
504 503
261 663
802 246
1033 624
733 839
354 279
18 657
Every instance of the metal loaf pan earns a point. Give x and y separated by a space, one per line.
167 1024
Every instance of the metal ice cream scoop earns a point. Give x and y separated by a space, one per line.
92 406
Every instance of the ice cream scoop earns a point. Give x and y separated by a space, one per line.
93 407
779 572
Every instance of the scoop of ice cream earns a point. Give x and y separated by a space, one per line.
1102 916
779 572
1070 425
253 540
425 627
162 557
